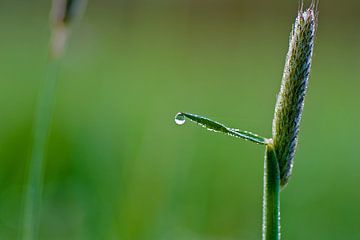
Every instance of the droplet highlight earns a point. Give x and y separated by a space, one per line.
180 119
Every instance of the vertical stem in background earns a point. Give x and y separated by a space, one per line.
41 128
271 196
63 14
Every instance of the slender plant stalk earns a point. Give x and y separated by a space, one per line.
62 15
41 129
271 196
280 149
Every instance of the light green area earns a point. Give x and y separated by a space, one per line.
118 167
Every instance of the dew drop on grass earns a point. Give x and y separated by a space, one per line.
180 119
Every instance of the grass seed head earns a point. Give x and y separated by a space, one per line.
290 100
63 14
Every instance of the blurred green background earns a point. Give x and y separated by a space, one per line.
118 167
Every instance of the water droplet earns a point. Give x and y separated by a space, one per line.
180 119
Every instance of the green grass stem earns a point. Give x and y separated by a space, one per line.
271 196
63 14
41 130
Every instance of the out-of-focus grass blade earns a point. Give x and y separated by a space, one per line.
219 127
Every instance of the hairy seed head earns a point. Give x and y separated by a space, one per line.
63 14
290 100
65 11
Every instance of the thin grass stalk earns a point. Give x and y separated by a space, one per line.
41 130
63 14
271 196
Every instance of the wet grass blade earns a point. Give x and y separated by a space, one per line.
219 127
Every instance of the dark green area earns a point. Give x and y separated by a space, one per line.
118 167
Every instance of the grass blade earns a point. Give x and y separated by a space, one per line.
219 127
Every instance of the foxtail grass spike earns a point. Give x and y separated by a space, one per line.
65 12
290 100
63 15
219 127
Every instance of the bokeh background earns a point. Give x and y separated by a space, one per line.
118 167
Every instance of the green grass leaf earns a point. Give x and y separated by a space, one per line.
219 127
